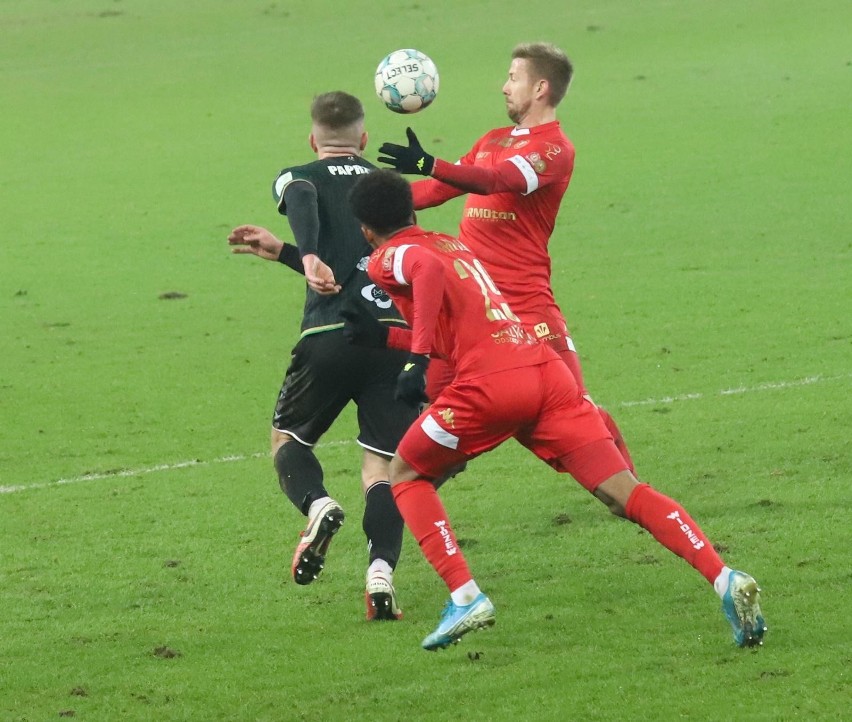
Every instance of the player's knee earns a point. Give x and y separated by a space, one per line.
615 507
277 440
399 471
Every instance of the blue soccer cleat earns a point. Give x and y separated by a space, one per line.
741 605
457 621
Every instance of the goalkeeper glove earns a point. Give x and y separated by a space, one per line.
407 159
411 382
360 328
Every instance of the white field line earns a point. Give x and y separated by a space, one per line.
768 386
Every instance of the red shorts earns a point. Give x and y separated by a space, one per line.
540 406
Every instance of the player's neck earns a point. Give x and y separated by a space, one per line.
337 152
538 116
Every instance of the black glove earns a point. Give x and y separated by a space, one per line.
360 328
411 382
408 159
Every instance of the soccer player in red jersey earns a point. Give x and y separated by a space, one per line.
515 178
506 385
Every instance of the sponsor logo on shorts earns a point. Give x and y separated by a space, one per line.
448 417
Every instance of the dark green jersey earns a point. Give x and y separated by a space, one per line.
340 245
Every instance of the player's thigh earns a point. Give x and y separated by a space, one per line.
314 391
569 433
471 417
382 419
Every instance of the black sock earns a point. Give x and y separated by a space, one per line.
383 524
299 474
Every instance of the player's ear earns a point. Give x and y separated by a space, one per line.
313 141
364 138
369 235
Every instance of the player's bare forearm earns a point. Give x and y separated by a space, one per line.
319 275
255 240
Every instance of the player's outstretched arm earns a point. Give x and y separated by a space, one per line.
260 242
505 178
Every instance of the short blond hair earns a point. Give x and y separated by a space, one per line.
549 63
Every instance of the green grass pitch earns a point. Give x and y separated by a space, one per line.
702 258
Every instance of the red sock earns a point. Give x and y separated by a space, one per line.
424 515
674 529
620 444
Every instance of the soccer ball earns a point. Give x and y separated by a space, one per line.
406 81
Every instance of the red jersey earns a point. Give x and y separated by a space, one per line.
510 231
451 304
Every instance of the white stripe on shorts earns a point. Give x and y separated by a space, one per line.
438 434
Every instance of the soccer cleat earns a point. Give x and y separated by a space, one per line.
381 599
457 621
741 605
309 558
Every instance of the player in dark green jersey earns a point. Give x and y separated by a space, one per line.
326 372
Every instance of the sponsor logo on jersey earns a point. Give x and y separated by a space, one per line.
340 170
490 215
450 245
376 295
448 417
542 330
552 150
514 334
686 529
387 258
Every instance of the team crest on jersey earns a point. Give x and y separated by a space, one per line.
506 142
448 417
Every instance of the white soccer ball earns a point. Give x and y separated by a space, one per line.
407 81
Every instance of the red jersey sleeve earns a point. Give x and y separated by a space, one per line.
429 193
414 278
425 274
506 177
399 338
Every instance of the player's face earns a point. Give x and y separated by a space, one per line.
518 90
